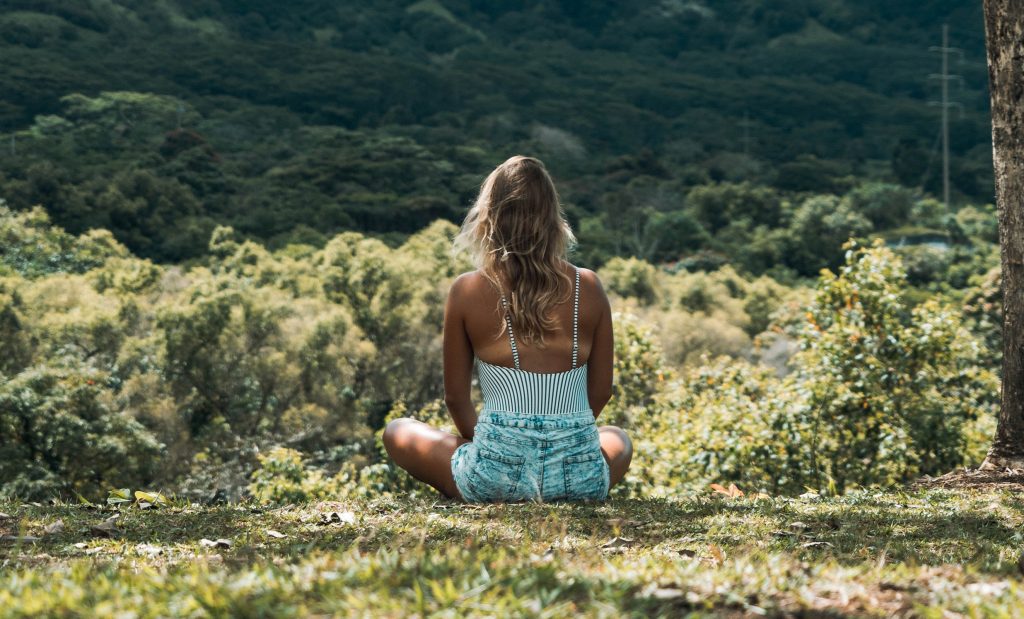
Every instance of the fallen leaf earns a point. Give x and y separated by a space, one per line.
4 516
988 588
80 545
815 544
107 528
798 526
661 593
54 527
891 586
622 522
732 491
119 495
149 549
338 518
150 499
717 553
19 538
275 534
217 543
618 544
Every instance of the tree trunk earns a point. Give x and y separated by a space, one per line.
1004 33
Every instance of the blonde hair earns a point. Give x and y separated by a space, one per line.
516 232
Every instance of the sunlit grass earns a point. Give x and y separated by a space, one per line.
874 553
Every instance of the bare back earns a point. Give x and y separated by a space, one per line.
482 321
473 303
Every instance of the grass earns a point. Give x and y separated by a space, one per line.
927 553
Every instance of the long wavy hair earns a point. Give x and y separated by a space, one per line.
517 236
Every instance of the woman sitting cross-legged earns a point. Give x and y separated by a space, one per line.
539 331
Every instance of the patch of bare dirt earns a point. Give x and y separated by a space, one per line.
1001 479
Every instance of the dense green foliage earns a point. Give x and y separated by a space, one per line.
292 122
273 373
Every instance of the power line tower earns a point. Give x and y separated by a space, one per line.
945 77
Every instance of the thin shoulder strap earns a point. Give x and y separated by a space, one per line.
511 337
575 321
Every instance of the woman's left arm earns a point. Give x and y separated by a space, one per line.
458 361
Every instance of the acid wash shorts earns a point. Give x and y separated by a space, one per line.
522 457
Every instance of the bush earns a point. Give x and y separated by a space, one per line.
58 436
631 277
283 478
882 393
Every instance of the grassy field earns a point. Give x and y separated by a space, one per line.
928 552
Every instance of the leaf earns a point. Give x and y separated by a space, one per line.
19 538
107 528
661 593
732 491
215 543
54 527
4 516
716 553
119 495
618 544
622 522
275 534
338 518
153 498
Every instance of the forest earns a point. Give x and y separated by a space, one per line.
225 234
293 124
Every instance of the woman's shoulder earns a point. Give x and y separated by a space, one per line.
471 280
590 280
468 281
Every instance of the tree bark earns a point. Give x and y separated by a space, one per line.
1004 34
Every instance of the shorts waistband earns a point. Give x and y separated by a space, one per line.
524 420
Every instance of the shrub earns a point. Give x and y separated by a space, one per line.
58 435
881 393
283 478
631 277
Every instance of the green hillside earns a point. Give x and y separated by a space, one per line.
291 122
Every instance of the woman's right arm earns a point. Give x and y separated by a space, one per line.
601 362
458 362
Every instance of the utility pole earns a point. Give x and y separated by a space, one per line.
945 76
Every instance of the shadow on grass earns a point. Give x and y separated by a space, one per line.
921 529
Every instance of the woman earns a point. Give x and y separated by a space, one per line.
539 331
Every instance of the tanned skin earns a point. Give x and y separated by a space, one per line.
471 320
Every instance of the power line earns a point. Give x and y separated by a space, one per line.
945 76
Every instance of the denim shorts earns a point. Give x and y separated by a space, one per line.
522 457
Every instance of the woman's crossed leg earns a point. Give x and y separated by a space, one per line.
426 452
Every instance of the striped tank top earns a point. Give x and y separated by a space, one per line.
514 390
